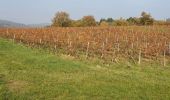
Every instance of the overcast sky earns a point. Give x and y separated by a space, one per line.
42 11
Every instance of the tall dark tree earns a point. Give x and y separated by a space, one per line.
61 19
146 19
102 20
109 20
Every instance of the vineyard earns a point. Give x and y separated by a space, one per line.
110 44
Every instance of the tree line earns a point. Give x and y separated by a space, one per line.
62 19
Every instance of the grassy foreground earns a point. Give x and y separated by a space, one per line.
31 74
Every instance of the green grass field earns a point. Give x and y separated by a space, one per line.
34 74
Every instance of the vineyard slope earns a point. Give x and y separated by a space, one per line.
32 74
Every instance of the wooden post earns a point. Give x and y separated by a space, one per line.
55 47
132 45
106 40
102 50
40 41
157 53
70 45
137 44
164 59
139 57
169 48
118 47
7 32
87 50
14 38
20 38
68 40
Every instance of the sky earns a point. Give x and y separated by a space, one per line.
42 11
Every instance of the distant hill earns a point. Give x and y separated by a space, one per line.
39 25
5 23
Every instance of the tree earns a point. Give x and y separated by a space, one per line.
88 21
61 19
146 19
133 21
109 20
168 20
77 23
104 24
101 20
121 22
